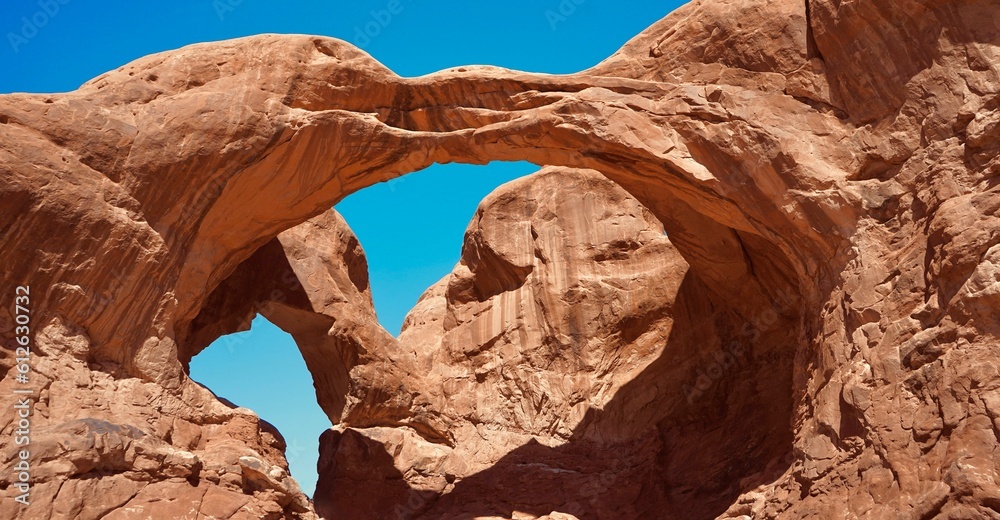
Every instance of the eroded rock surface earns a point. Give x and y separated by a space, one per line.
826 168
564 295
312 281
106 445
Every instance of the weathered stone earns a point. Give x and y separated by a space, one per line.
826 169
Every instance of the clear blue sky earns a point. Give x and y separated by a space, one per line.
410 228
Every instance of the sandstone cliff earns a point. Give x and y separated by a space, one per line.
826 169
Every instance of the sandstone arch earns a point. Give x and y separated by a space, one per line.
298 156
780 162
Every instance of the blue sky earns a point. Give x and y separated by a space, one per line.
410 228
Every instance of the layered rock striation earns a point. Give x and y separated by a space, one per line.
563 295
826 169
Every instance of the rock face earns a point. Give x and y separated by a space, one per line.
312 281
563 295
104 445
148 453
827 170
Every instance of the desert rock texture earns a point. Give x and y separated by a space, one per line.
816 336
524 361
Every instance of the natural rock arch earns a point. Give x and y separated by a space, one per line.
781 165
270 154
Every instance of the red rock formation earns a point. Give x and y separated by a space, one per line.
312 281
564 294
826 168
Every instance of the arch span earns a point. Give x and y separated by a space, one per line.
278 128
204 155
780 164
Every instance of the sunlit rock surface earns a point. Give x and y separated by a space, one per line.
826 169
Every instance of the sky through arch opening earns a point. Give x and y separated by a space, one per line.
280 389
412 228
